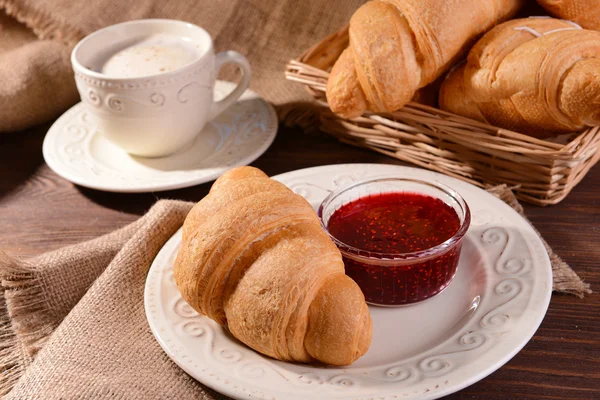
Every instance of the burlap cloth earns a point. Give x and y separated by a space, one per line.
78 312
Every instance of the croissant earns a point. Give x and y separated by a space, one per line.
399 46
538 76
584 12
255 259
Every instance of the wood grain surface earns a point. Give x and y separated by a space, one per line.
40 211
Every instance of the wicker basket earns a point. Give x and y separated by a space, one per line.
542 171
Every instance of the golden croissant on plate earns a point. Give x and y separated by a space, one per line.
399 46
534 75
585 12
255 259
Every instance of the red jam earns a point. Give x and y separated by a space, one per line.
396 223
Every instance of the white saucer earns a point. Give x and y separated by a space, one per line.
77 151
423 351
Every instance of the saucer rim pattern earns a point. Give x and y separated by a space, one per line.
163 181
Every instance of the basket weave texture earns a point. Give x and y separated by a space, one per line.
542 172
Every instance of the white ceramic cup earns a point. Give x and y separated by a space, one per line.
157 115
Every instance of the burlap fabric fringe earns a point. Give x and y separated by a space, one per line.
38 83
79 312
90 297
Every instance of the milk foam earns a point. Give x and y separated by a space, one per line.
154 55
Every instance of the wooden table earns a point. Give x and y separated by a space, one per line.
40 211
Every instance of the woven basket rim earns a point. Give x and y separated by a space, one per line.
566 151
549 168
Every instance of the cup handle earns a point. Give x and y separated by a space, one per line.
234 57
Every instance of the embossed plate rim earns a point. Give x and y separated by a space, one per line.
228 366
162 181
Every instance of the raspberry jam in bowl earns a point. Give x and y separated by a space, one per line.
400 238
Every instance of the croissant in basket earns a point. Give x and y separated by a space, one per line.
255 259
399 46
585 12
537 76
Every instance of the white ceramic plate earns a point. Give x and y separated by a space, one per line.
488 313
77 151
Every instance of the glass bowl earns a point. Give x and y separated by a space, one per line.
396 278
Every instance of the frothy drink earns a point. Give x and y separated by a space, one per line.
148 84
153 55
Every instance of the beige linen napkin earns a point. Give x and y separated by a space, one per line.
268 32
104 347
79 313
35 78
